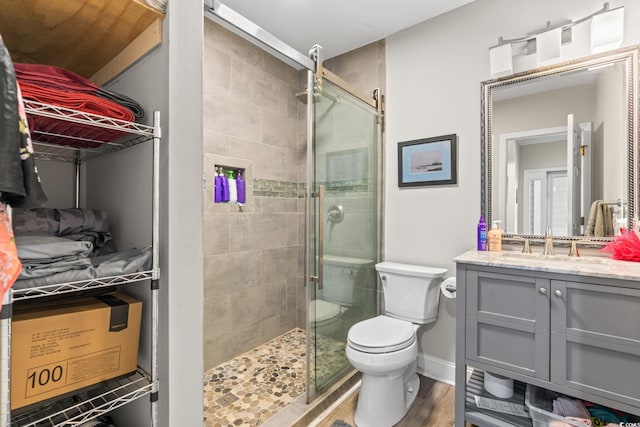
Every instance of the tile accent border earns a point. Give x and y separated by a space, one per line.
272 188
296 190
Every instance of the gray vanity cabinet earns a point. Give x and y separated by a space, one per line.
595 339
578 335
508 322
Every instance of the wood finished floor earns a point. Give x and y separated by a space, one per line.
434 407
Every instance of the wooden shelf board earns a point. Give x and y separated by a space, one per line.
80 35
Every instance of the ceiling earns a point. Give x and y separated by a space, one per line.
338 26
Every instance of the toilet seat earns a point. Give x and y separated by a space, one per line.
321 311
381 334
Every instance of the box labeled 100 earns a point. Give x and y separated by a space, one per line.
64 345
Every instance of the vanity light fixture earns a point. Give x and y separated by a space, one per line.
607 26
548 45
607 29
501 60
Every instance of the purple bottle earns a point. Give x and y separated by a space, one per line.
482 234
225 188
241 190
217 188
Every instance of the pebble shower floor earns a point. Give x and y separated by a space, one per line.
251 388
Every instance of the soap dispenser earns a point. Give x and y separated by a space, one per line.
494 236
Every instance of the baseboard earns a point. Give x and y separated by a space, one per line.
436 368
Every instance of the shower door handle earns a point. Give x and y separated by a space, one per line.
320 237
320 234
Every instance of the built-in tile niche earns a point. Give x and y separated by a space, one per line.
229 185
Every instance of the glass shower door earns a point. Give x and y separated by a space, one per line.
345 227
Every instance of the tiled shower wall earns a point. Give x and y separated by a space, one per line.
253 260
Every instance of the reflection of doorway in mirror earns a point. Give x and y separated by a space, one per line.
545 201
545 149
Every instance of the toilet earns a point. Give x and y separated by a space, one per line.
325 317
385 348
343 283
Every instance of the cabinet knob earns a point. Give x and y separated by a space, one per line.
543 291
558 293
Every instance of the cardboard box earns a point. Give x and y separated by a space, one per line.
67 344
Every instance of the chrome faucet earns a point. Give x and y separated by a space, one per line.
548 243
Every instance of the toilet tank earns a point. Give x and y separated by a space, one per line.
344 278
411 292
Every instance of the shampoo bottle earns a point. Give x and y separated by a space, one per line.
233 188
241 189
217 187
225 187
494 237
482 234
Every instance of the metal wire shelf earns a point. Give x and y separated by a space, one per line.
61 288
76 146
135 134
87 404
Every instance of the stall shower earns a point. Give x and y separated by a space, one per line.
274 324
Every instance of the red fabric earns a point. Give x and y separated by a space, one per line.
625 247
10 265
54 77
83 102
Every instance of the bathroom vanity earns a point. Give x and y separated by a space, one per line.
566 324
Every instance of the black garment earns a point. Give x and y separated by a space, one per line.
19 181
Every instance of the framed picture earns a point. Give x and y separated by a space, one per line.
428 161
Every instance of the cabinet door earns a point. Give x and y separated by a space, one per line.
595 339
508 322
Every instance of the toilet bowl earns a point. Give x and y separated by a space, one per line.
344 280
325 318
385 348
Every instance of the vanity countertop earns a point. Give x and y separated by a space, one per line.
583 266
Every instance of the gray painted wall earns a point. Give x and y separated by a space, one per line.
162 81
434 70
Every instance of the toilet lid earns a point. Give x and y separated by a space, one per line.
320 310
381 334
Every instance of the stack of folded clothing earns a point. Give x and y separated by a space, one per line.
73 223
581 412
63 88
65 245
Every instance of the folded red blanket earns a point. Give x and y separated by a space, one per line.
44 129
54 77
59 78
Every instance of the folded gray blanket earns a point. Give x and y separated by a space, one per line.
116 264
44 254
76 224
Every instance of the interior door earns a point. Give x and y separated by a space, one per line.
574 175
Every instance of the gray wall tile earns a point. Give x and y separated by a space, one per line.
228 272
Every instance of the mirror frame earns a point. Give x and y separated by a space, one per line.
629 56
